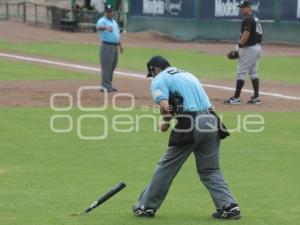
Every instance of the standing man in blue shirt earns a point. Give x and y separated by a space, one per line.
109 34
180 93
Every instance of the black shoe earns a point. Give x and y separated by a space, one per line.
233 101
231 213
254 100
112 89
104 89
140 211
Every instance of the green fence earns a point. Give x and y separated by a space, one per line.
51 16
278 17
75 20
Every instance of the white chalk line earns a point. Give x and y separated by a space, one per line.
141 76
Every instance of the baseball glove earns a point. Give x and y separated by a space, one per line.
233 54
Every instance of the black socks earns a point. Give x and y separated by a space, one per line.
238 88
255 83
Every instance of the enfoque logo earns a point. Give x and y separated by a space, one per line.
114 117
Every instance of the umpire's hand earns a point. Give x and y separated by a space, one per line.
109 29
121 48
164 126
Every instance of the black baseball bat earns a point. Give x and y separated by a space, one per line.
114 190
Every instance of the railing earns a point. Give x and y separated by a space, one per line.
25 12
79 20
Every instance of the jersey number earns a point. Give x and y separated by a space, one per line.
173 72
258 26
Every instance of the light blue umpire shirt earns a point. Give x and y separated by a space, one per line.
106 36
183 83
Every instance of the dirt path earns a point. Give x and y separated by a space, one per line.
38 93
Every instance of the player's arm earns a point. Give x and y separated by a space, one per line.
121 47
120 44
244 38
166 115
103 28
246 34
160 94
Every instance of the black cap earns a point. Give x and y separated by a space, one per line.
244 4
157 61
108 8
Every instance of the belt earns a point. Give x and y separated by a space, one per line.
195 113
246 46
110 43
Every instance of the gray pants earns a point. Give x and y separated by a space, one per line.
206 152
248 62
108 60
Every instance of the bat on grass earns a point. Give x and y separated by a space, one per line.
114 190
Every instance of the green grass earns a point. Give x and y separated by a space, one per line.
283 69
16 70
47 176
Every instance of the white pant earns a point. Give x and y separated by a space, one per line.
248 62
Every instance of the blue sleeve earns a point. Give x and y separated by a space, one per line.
101 22
159 90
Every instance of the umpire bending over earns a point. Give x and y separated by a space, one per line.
249 52
197 132
109 34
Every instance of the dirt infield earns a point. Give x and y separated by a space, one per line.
38 93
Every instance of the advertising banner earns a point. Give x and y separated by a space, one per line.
227 9
290 10
163 8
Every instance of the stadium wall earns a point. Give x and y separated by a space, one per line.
214 19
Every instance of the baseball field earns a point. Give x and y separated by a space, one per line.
58 154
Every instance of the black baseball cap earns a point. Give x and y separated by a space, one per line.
157 61
108 8
244 4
